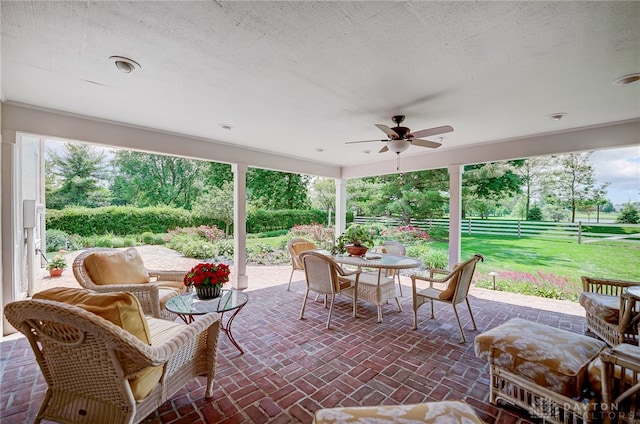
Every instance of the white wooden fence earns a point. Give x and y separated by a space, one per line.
557 230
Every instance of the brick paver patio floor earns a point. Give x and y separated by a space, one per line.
292 368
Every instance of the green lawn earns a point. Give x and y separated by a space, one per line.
558 257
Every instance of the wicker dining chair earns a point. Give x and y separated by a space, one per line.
458 283
108 270
325 277
91 365
398 249
295 247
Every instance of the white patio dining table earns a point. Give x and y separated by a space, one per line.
383 288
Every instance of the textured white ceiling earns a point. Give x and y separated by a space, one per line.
294 77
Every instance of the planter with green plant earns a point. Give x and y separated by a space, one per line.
357 239
57 264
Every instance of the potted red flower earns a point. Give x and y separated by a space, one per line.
208 279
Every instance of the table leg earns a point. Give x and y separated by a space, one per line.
227 329
188 319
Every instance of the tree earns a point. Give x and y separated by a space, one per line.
532 173
628 215
535 214
217 204
485 185
277 190
146 179
323 195
79 171
572 181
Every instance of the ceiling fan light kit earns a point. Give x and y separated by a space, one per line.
400 138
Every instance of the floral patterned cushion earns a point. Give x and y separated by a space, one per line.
430 412
601 305
550 357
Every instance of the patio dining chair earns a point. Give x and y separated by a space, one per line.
325 277
295 247
457 283
398 249
107 270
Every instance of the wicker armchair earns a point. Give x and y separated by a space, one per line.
609 313
325 277
152 295
458 283
295 247
89 362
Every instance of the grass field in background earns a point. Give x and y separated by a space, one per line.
559 257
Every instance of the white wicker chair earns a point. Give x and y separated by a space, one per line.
325 277
87 361
398 249
149 294
461 276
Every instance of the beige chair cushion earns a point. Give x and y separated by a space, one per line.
447 294
601 305
429 412
549 357
123 310
116 267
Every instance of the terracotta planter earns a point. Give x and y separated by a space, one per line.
208 292
356 250
55 272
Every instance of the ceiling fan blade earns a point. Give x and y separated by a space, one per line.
364 141
388 131
425 143
384 149
432 131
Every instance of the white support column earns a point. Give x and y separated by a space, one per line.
11 266
240 277
455 212
341 205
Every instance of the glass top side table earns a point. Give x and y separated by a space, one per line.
187 306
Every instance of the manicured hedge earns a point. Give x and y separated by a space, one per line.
125 220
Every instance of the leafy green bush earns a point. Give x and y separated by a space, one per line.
59 240
430 256
534 214
628 215
261 220
405 234
318 233
151 238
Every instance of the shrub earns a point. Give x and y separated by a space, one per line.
406 234
151 238
540 284
628 215
60 240
315 232
534 214
430 257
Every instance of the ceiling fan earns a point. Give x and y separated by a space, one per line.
400 138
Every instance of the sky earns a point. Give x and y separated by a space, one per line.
619 167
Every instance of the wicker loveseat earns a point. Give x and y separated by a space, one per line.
560 376
609 312
104 361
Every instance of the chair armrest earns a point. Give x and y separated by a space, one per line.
167 275
621 363
344 273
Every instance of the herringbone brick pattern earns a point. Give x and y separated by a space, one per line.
292 367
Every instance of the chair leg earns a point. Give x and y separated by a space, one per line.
455 311
304 303
432 315
333 298
471 313
399 284
290 278
399 307
379 313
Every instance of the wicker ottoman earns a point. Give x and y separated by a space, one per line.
540 368
429 412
